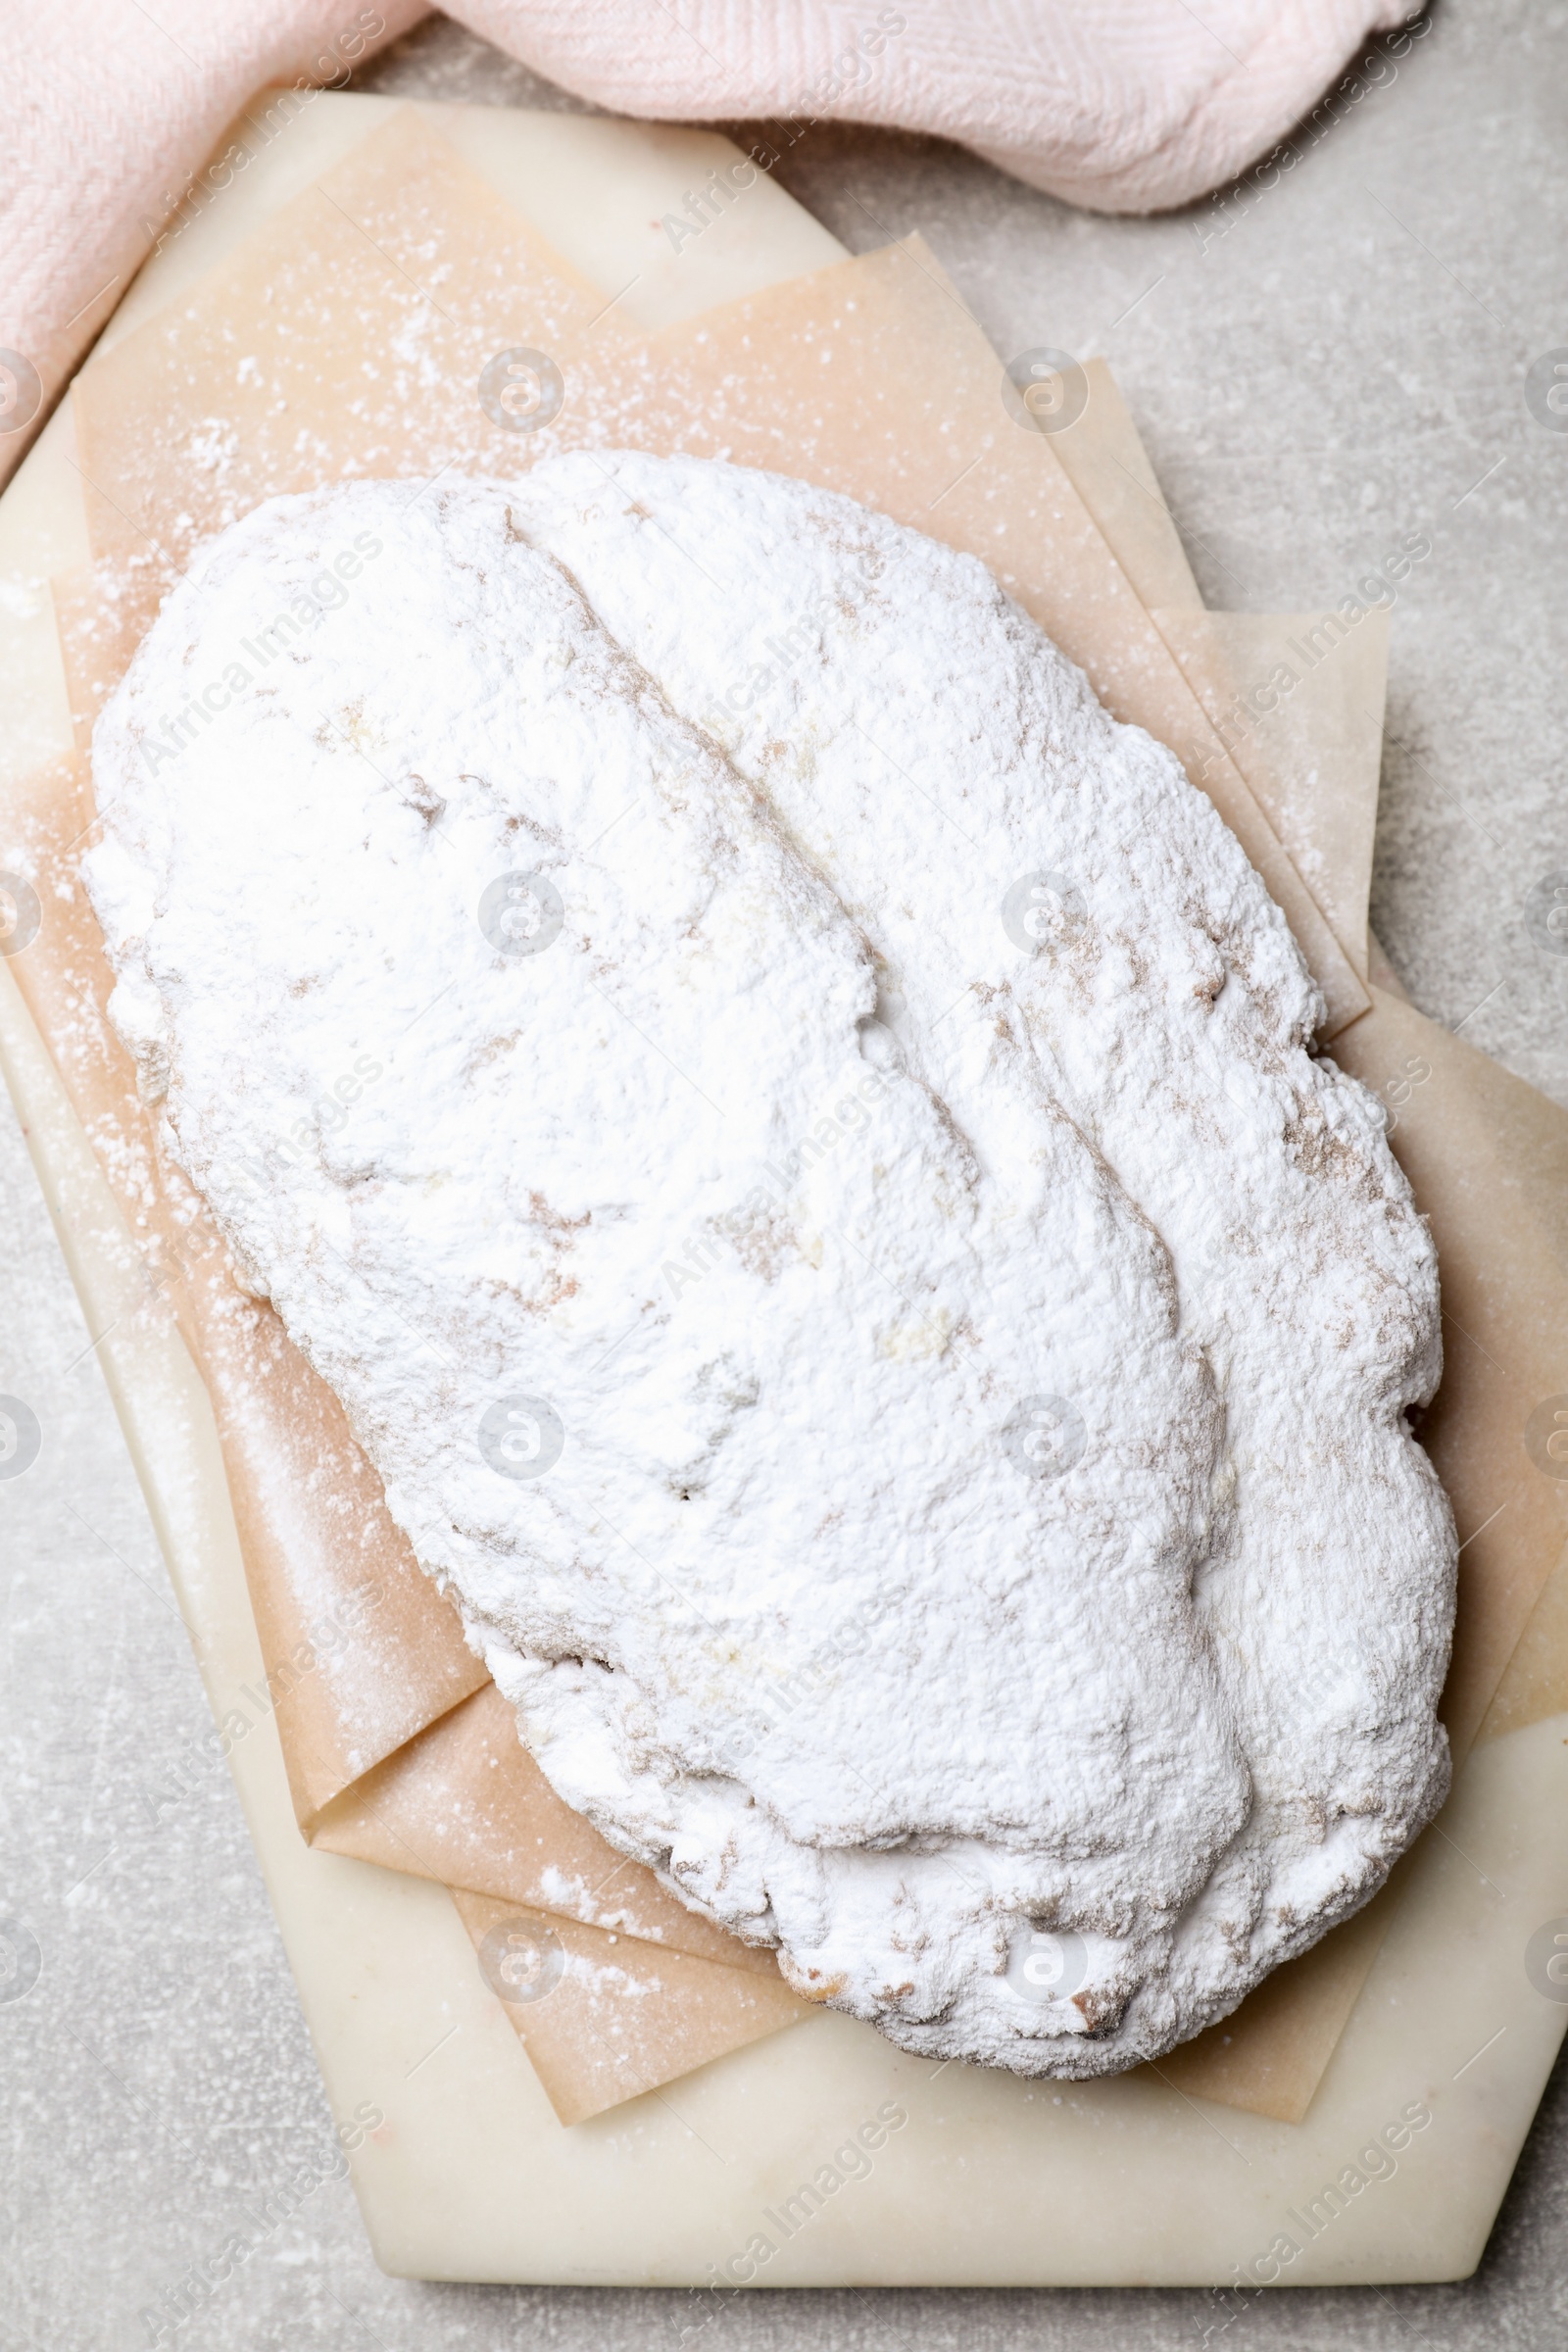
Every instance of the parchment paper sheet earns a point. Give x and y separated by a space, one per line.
320 1551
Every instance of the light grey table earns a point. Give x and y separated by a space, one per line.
1318 368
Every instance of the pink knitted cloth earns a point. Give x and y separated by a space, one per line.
110 106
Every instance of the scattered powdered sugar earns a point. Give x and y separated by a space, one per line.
601 1981
845 1263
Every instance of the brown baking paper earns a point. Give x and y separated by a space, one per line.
169 389
620 2019
1312 757
1108 467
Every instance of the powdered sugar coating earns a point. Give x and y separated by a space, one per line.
815 1208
